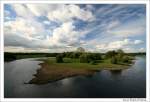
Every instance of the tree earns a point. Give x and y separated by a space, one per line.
120 51
125 59
68 54
120 54
114 60
83 58
59 58
96 56
89 58
75 55
110 54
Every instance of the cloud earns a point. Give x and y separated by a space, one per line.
23 32
138 42
46 22
113 24
41 9
30 10
23 49
7 14
126 32
64 27
114 45
133 50
37 10
142 50
24 28
68 12
132 28
65 35
121 44
21 10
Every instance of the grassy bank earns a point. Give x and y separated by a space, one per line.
51 71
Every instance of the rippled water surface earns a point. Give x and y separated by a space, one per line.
104 84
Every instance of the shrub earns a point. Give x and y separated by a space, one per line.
89 58
114 60
120 52
125 59
59 58
83 58
110 54
75 55
97 56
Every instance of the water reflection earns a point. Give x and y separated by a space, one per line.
66 81
116 75
116 72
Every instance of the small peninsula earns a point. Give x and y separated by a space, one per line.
79 62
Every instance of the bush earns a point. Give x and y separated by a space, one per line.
125 59
110 54
59 58
120 52
89 58
75 55
114 60
96 56
83 58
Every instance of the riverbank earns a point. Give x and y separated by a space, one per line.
51 71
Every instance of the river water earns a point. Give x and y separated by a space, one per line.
129 83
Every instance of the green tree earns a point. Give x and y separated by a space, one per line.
89 58
114 60
83 58
125 59
97 56
120 54
110 54
120 51
75 55
59 58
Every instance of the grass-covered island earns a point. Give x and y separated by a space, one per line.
57 66
70 64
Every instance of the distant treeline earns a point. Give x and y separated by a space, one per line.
135 54
14 56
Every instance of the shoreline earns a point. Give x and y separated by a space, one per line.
50 73
39 77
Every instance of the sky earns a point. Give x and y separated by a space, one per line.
65 27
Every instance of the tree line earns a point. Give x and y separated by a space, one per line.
115 57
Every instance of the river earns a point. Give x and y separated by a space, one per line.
129 83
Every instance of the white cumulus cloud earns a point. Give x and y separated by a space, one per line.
68 12
121 44
138 42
